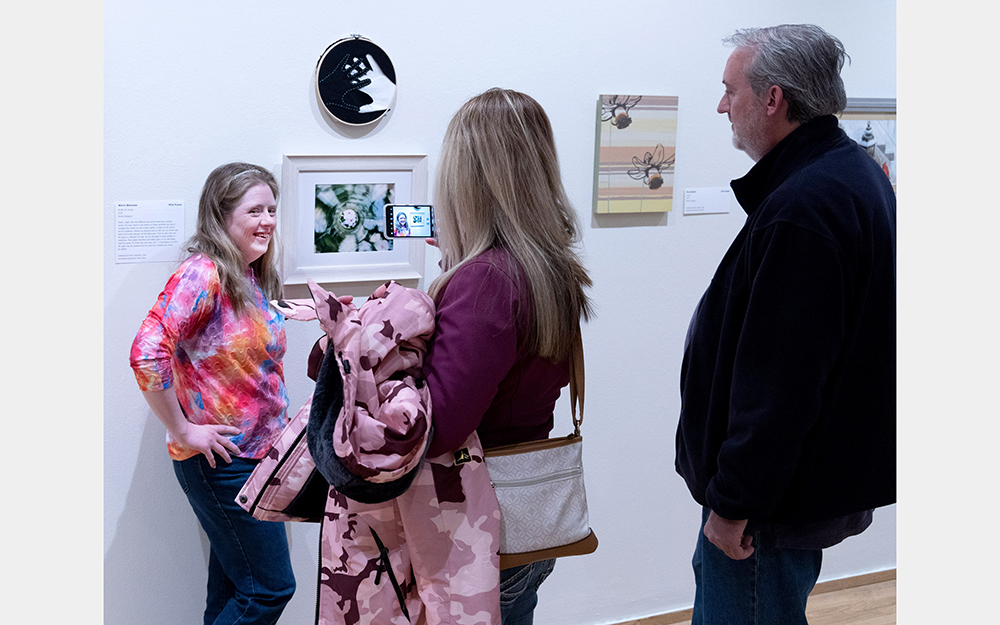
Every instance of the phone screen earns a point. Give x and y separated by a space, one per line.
409 220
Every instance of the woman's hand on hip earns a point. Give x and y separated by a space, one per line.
209 439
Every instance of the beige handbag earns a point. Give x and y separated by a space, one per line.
539 484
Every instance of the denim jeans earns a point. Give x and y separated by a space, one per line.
770 586
250 575
519 591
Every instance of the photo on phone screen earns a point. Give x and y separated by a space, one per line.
409 220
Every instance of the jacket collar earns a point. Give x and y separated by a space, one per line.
790 155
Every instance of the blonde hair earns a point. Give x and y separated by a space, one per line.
498 186
223 190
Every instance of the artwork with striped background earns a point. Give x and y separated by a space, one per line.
636 144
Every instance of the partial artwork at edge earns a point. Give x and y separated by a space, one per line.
871 122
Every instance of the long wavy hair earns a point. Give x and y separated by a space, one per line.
223 190
498 186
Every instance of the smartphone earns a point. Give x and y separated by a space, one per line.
409 220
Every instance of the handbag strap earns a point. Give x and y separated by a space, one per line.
576 381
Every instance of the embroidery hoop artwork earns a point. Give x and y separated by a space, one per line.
355 81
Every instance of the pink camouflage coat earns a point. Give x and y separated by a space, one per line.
441 535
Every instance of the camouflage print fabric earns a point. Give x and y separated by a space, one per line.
452 522
441 536
295 309
281 474
445 526
383 428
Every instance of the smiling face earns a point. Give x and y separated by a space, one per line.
251 224
746 111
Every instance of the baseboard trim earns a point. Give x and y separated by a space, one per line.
823 587
854 582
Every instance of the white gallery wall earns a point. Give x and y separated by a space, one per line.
190 85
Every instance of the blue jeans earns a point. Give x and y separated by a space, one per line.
250 575
771 586
519 591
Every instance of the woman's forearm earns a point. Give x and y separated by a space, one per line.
166 408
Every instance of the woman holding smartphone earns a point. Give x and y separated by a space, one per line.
511 294
208 361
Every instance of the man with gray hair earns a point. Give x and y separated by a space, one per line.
787 428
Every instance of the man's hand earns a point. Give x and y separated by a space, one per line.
728 535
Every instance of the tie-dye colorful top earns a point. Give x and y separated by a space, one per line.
227 368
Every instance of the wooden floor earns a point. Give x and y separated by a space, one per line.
863 600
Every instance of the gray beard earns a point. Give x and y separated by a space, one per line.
746 145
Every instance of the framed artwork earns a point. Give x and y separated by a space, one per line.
636 149
871 122
332 222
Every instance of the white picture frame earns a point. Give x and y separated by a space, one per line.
303 177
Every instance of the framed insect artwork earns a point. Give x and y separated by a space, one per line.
636 152
871 122
332 218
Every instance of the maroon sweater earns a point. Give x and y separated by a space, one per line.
481 375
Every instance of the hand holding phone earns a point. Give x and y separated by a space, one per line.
409 220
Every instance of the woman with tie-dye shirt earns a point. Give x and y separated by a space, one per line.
208 361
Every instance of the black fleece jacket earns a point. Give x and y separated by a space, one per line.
788 383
